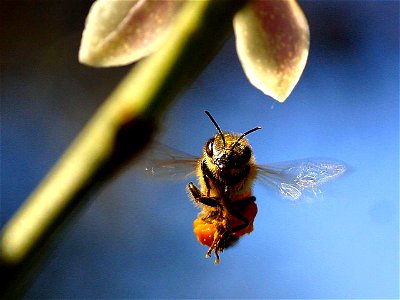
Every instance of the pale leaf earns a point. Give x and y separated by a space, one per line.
272 40
119 32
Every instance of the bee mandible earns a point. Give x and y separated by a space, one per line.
226 171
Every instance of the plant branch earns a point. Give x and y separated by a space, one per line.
118 132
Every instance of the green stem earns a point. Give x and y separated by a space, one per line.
120 129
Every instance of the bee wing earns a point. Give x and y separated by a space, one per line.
169 163
299 179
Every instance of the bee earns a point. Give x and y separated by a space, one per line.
226 172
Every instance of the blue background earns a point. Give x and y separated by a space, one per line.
135 239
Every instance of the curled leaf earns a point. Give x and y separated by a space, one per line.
272 41
121 32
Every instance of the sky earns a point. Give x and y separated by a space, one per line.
135 239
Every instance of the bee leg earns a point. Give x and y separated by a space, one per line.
207 175
214 247
212 202
208 254
216 261
194 191
200 198
235 211
222 241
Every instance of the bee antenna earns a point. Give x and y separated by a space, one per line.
217 126
244 134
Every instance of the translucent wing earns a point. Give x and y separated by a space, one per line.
169 163
300 179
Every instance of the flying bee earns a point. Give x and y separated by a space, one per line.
226 171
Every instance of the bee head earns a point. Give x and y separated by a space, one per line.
228 150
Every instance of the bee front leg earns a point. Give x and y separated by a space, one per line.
207 176
200 198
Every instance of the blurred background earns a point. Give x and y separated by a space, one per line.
135 239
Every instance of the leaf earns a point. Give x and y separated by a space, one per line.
272 41
121 32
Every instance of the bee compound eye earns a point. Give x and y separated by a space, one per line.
209 147
245 157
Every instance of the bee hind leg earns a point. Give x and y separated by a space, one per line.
214 247
223 242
